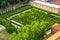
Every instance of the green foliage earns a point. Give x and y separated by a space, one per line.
24 0
36 22
6 15
3 4
35 31
35 14
7 25
13 1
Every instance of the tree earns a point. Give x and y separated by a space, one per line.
24 0
0 4
35 31
11 1
8 25
3 4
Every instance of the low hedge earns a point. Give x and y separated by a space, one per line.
35 31
7 25
8 14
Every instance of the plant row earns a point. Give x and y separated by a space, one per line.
11 13
35 31
28 17
36 23
6 23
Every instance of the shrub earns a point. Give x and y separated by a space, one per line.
35 31
7 25
3 4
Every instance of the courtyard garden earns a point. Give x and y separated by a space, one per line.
33 23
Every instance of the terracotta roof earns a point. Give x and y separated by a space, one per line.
55 28
55 33
58 38
57 2
55 36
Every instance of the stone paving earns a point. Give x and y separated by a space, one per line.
2 27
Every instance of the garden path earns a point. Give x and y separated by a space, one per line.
15 21
2 27
55 15
3 37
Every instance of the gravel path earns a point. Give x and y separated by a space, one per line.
55 15
15 25
48 32
4 36
2 27
16 15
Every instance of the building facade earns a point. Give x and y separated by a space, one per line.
46 6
